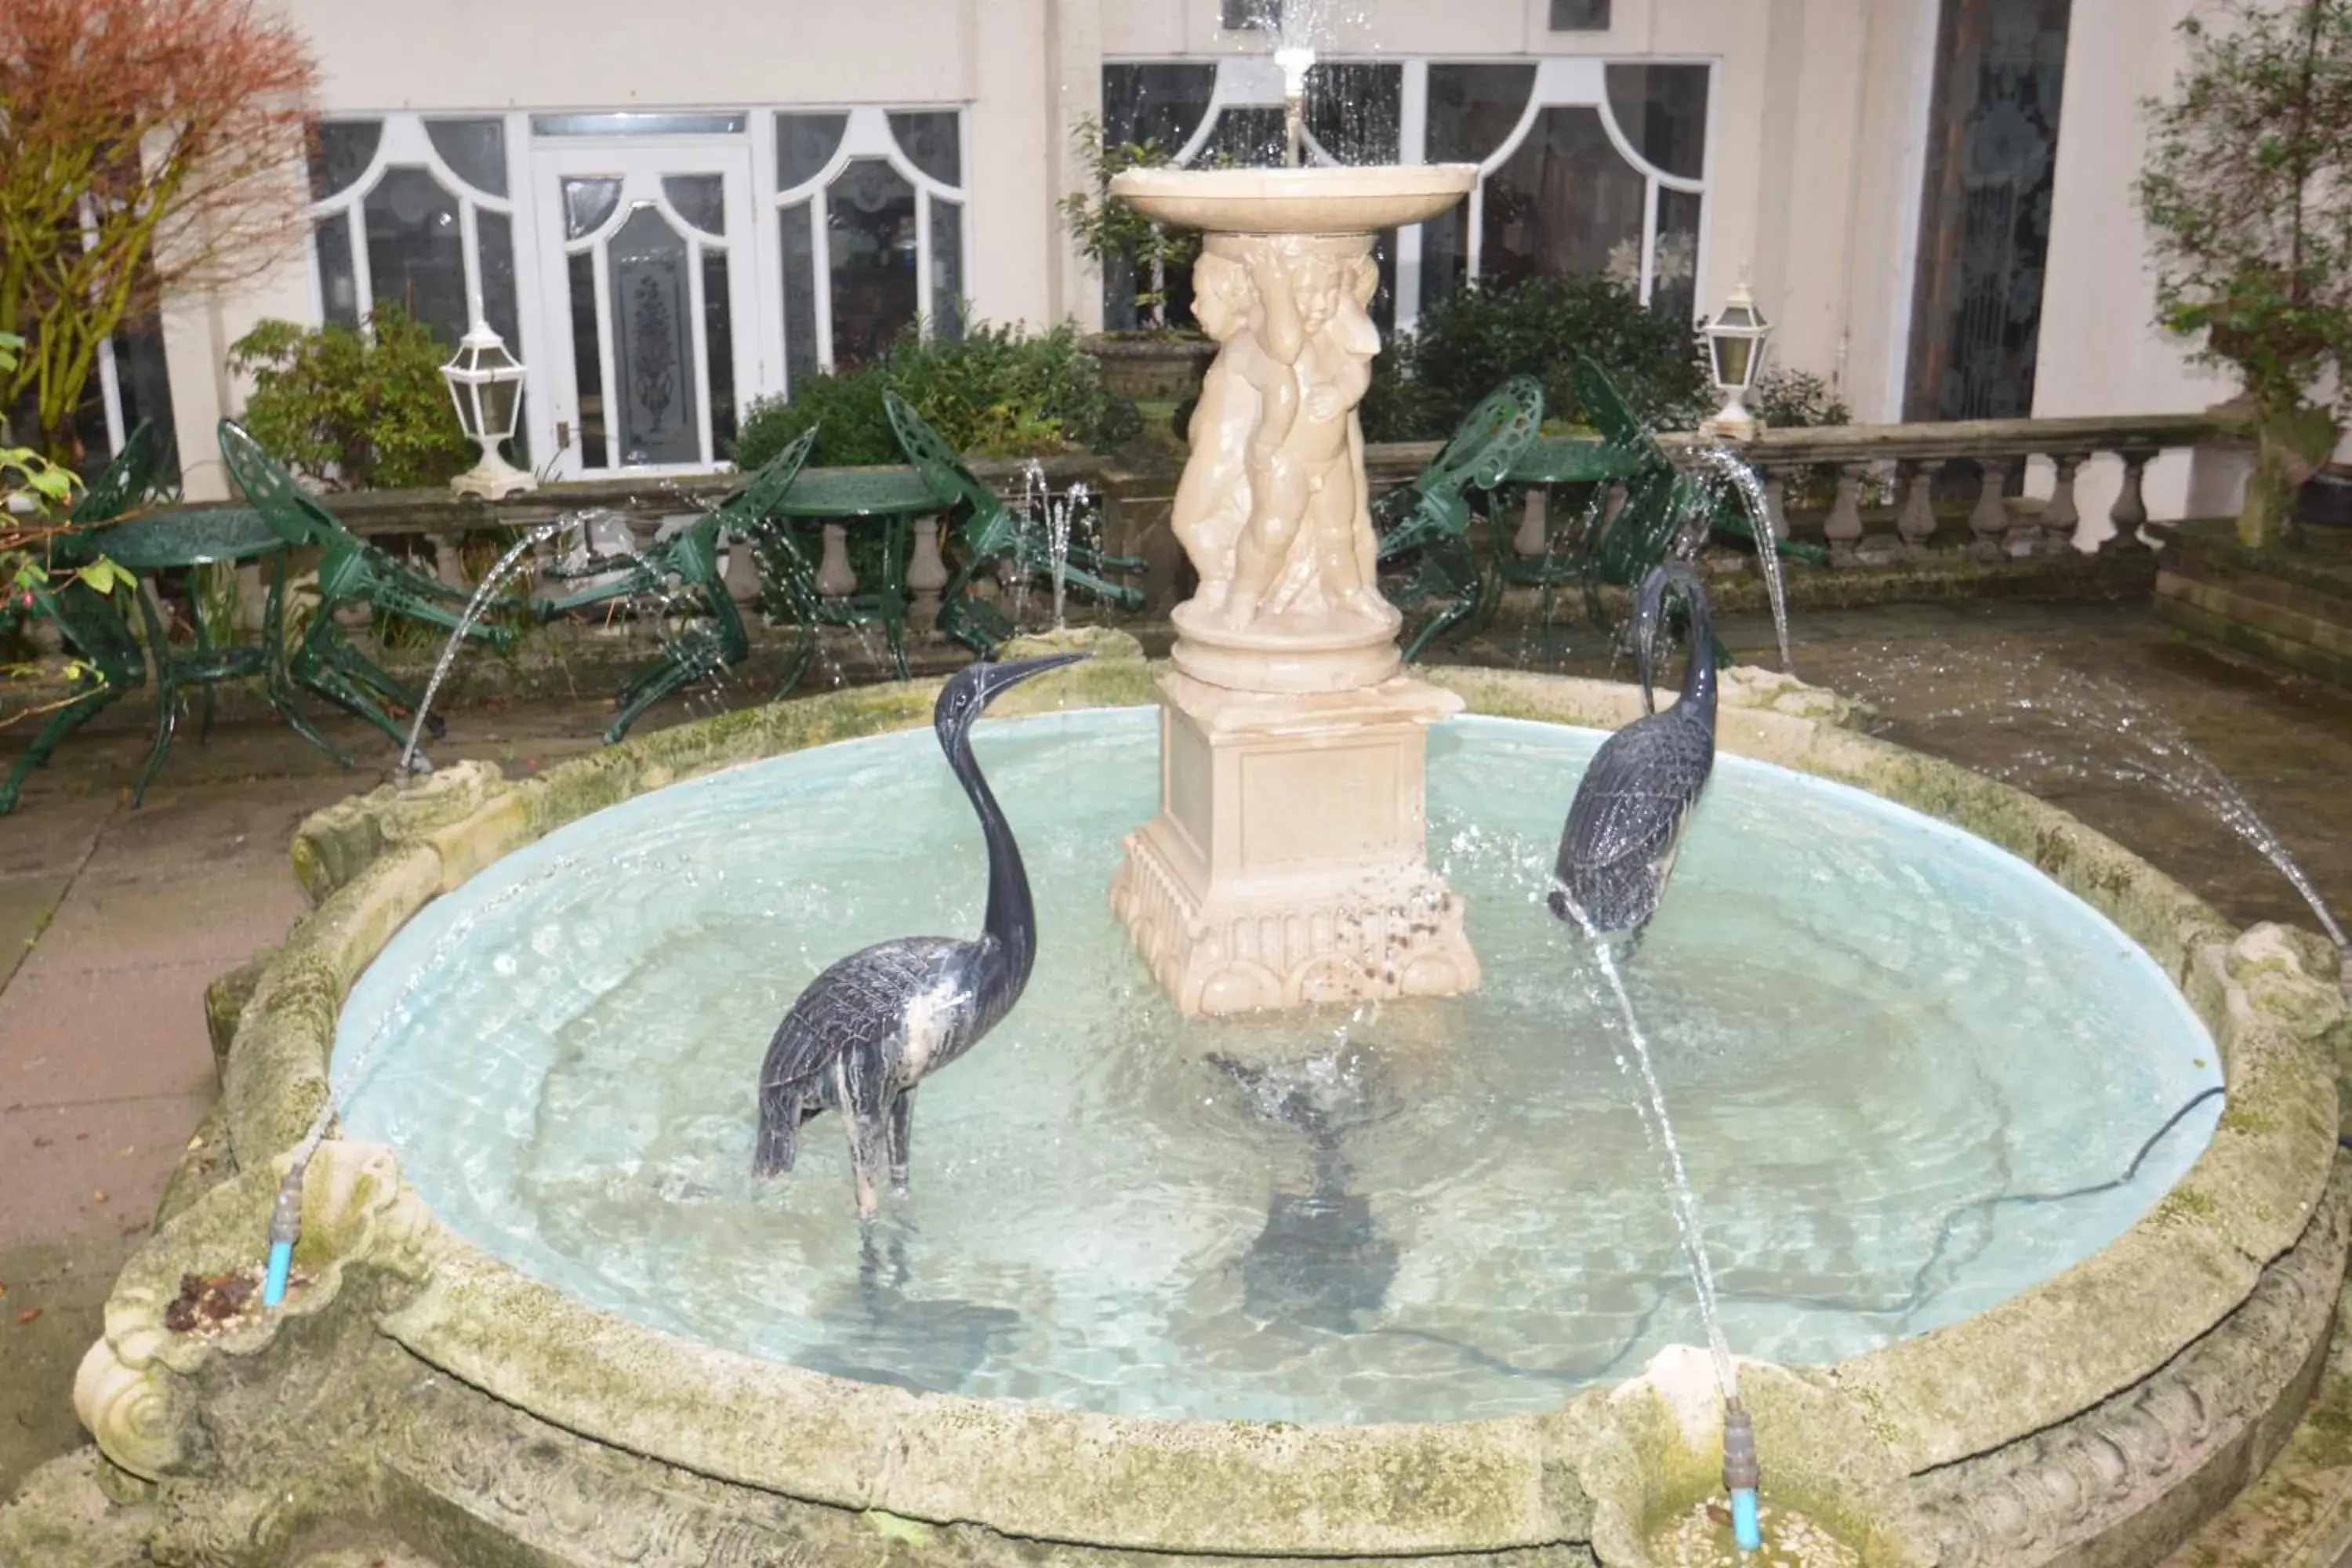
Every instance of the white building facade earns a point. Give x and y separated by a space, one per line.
670 211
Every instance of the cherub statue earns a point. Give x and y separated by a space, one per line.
1213 498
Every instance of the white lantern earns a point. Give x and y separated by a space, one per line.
486 384
1734 343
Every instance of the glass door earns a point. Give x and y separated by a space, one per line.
652 328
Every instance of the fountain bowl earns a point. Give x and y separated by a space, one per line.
419 1397
1322 200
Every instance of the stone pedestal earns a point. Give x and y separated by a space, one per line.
1287 863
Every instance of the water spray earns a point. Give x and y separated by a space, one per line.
1741 1473
1294 59
285 1213
413 760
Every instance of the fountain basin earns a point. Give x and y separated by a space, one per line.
1320 200
438 1393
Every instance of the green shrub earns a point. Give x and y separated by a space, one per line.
1471 341
350 409
997 392
1797 400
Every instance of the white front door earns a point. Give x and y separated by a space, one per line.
646 284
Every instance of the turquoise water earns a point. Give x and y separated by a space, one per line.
1867 1025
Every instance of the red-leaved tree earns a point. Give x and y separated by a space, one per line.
146 147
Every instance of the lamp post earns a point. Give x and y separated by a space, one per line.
486 384
1734 343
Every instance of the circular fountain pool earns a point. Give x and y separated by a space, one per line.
1869 1028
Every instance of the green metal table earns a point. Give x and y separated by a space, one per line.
1525 558
835 498
1573 460
176 540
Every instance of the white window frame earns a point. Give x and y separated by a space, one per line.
403 144
866 135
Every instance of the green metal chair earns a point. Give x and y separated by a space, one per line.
1661 500
1429 519
993 536
132 478
350 572
690 558
1667 511
88 619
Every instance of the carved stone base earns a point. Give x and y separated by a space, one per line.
1287 863
1284 653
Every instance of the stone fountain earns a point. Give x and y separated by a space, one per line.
1287 864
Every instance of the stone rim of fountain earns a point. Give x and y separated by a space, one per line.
1897 1447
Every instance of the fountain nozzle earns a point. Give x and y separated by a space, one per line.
1741 1476
285 1227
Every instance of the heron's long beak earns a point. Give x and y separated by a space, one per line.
1001 676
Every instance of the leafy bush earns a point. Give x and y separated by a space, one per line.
998 392
1110 233
350 409
1797 400
1469 343
2248 198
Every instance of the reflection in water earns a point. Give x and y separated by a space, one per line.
875 1332
1321 1261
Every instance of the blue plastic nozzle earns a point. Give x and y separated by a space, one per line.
285 1226
1741 1476
1745 1529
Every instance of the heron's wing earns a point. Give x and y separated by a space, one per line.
860 1002
1637 797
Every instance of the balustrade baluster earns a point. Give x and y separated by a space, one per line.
2060 518
1990 521
742 574
1533 540
1917 523
927 573
834 578
1844 525
449 562
1776 500
1611 505
2130 509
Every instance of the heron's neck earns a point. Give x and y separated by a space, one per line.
1012 918
1698 670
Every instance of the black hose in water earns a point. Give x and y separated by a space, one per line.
1899 1310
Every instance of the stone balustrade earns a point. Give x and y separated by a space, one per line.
1912 467
1914 464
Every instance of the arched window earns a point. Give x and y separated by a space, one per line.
870 214
415 211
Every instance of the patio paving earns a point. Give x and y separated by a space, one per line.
112 922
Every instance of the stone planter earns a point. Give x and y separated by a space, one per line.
421 1397
1152 370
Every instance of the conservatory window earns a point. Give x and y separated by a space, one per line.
869 212
414 211
1587 166
1204 115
